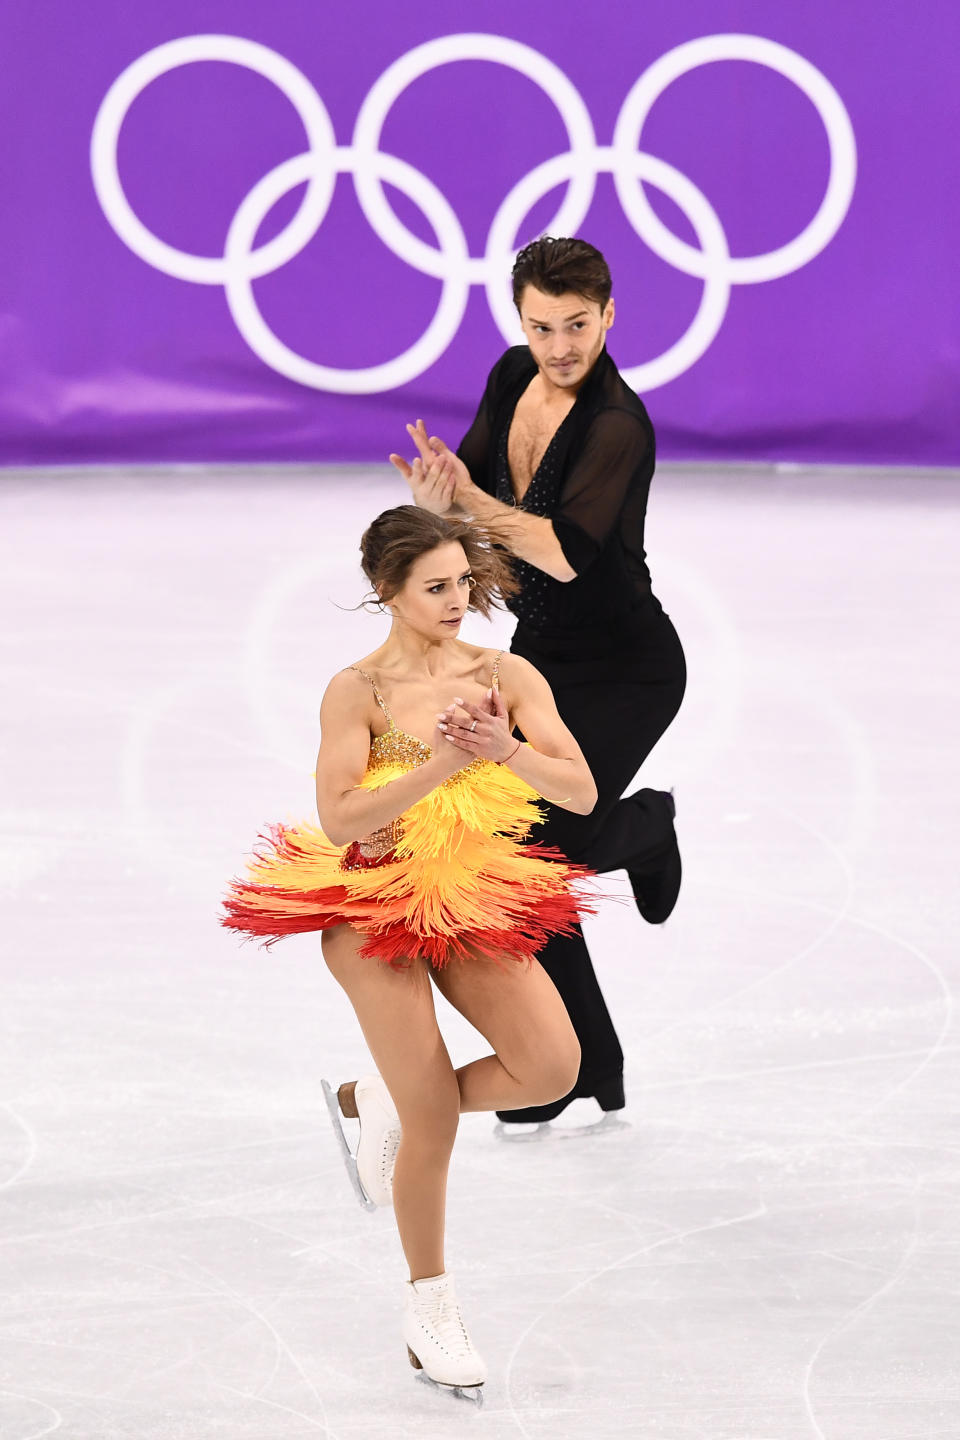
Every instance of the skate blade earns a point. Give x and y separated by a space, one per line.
473 1394
547 1131
349 1160
520 1135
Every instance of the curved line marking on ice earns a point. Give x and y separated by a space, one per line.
948 1007
617 1264
32 1400
57 1237
841 1325
220 1287
835 917
272 1404
32 1147
801 1067
929 1053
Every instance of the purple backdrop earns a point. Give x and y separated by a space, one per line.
115 349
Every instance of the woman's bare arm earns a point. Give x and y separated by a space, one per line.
551 761
346 811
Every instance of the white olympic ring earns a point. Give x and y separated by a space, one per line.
748 270
259 336
106 133
450 260
420 61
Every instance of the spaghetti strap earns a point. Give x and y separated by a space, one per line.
495 679
379 698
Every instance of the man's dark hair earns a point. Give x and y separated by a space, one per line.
559 266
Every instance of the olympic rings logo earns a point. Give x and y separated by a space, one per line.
449 261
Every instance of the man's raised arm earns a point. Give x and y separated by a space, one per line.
440 482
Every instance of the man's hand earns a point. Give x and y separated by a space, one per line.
437 477
441 483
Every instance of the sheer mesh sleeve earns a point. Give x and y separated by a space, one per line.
474 448
613 469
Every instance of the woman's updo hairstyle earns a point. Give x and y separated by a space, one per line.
396 539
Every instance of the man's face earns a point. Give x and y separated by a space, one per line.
565 333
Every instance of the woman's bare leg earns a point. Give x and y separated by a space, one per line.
517 1008
396 1014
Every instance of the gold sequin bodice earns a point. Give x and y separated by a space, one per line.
391 748
396 747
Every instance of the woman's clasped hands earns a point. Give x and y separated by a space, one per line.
478 731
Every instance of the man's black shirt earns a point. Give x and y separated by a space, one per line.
592 483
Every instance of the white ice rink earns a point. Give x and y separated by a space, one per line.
769 1250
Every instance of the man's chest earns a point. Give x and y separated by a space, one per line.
531 430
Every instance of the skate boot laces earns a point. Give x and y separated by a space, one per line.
441 1315
380 1135
388 1155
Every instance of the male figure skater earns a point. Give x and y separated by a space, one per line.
559 459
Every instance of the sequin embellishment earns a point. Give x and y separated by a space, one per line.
378 848
396 747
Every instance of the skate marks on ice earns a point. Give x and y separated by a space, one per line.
201 1342
19 1415
284 1352
180 1245
20 1169
837 919
849 1319
592 1279
847 1129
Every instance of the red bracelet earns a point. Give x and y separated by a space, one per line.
511 755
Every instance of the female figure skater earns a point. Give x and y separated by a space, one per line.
419 875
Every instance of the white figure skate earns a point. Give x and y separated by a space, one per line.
437 1341
371 1169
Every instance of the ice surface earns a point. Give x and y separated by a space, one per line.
768 1252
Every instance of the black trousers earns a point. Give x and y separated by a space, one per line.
617 693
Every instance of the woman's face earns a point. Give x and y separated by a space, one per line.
434 598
